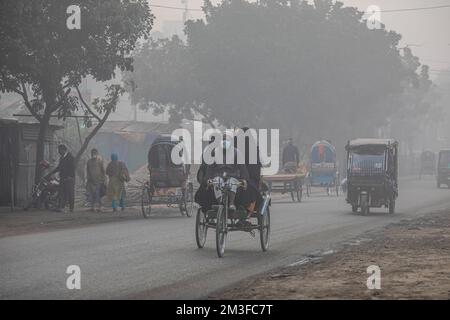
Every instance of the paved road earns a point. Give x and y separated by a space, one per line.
158 258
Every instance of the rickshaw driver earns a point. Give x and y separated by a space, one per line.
234 171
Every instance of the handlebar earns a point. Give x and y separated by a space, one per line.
240 183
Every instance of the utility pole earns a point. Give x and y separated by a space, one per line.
185 12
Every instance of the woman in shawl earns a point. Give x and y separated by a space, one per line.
118 175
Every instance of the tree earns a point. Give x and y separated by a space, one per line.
45 62
314 70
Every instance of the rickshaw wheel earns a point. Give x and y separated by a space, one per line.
146 200
221 231
264 229
299 194
292 189
190 201
182 206
201 229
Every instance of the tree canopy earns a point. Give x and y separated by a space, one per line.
44 61
313 70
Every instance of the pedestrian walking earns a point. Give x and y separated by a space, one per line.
96 178
118 174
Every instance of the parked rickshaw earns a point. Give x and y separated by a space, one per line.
323 168
224 220
168 183
372 173
427 163
443 168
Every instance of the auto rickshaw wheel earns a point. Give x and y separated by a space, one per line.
201 229
264 229
391 205
364 205
146 200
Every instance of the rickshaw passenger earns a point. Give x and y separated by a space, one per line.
233 171
204 196
252 194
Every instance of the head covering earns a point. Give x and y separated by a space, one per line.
114 157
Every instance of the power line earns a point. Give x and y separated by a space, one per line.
415 9
382 11
174 8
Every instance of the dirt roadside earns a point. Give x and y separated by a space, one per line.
33 221
413 255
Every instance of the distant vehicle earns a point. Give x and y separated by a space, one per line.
427 163
286 183
443 168
323 169
372 173
169 183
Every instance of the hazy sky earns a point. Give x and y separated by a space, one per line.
427 31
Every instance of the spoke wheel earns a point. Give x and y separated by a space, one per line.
264 229
146 200
190 200
221 231
201 229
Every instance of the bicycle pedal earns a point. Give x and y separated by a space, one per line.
252 233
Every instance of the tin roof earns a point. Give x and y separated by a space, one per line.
371 141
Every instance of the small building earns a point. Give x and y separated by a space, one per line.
18 141
130 140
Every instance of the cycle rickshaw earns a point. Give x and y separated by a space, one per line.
168 183
224 220
323 168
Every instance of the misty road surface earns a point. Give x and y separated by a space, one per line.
158 258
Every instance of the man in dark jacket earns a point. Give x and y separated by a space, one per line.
291 156
66 169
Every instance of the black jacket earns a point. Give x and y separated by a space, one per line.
290 154
66 167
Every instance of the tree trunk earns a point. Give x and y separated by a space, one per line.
40 146
90 136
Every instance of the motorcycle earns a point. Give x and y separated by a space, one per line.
45 192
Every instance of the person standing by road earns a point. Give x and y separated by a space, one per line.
66 169
118 175
96 178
